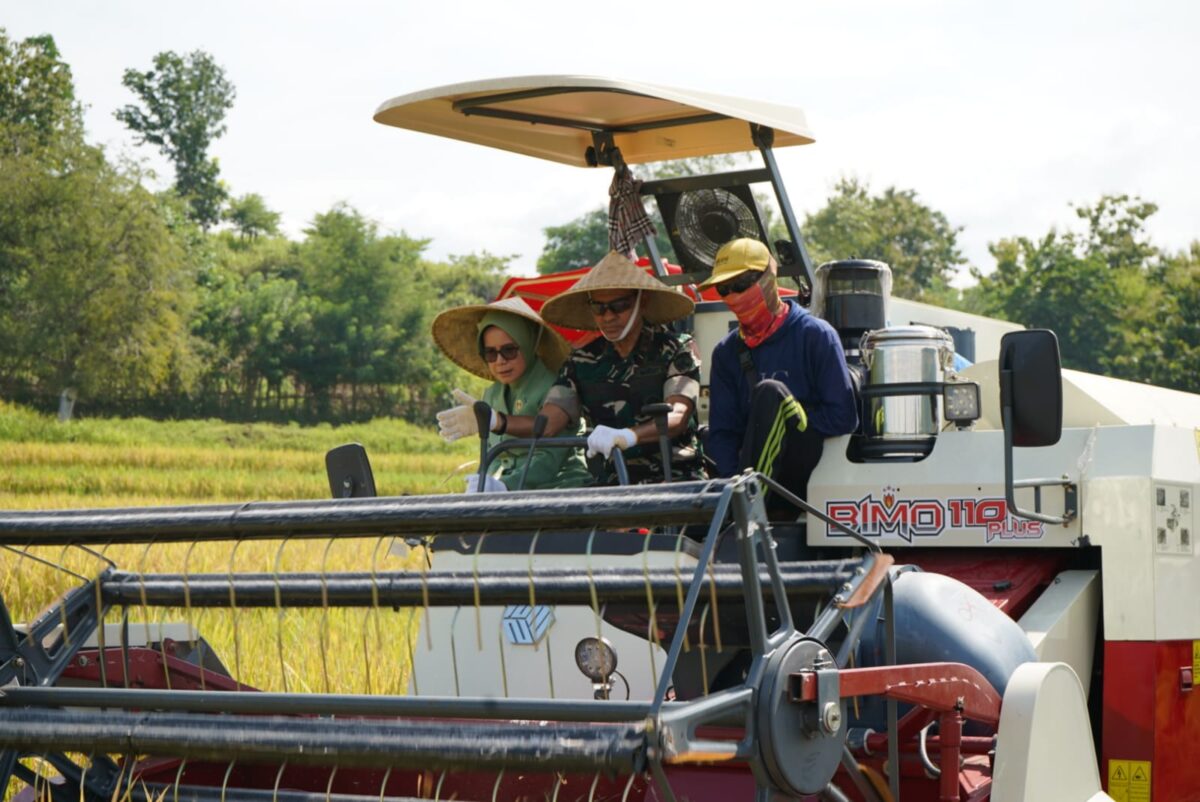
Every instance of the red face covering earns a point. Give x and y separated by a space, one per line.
755 321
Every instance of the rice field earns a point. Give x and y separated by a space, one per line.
122 463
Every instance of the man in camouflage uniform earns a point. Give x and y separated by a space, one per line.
636 361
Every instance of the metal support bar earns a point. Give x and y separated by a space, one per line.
942 687
686 183
39 658
447 588
329 704
693 594
764 137
422 744
676 503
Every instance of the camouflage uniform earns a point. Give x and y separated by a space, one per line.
610 390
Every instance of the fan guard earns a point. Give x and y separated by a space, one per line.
708 218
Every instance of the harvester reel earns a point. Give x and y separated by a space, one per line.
800 745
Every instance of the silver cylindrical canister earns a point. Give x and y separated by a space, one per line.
904 355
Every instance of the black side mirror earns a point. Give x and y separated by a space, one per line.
1031 387
1031 406
349 472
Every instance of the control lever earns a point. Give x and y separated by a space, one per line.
659 413
483 419
539 428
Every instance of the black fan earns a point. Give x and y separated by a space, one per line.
700 219
708 218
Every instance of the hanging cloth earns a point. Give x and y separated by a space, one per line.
628 223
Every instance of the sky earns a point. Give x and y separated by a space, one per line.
998 114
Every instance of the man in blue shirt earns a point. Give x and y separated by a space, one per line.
779 384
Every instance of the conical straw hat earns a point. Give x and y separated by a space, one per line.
456 331
660 303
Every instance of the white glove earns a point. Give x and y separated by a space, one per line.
490 484
604 439
459 421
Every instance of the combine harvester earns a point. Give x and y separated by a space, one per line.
991 593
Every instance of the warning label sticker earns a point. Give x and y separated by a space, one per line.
1129 780
1195 660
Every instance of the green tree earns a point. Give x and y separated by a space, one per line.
251 217
37 95
1177 364
96 292
578 243
916 241
1096 289
183 104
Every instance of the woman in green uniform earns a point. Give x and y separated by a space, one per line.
506 341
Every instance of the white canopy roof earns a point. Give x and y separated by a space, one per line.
554 116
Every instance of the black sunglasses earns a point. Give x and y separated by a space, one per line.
739 283
618 306
509 352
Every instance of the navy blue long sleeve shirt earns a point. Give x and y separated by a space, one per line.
806 355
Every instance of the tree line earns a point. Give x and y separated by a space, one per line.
190 302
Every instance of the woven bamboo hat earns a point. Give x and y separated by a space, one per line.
660 303
456 331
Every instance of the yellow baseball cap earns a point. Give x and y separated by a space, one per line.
736 257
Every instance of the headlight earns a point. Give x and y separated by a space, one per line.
596 659
960 402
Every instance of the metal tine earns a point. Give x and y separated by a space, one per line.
592 584
475 578
373 616
550 664
324 636
628 785
280 615
225 781
278 779
703 649
559 782
178 778
425 565
383 785
712 594
532 591
147 617
100 633
233 612
410 639
533 603
162 649
503 664
592 790
496 785
454 649
437 792
679 591
187 602
328 785
652 639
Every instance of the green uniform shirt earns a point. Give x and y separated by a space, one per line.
597 383
550 467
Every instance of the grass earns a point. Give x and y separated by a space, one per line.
135 462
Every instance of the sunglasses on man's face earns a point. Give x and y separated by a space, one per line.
509 352
739 283
618 306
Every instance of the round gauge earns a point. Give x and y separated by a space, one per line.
596 659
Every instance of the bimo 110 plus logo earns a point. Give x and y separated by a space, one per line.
891 516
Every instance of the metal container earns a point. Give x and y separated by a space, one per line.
905 355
